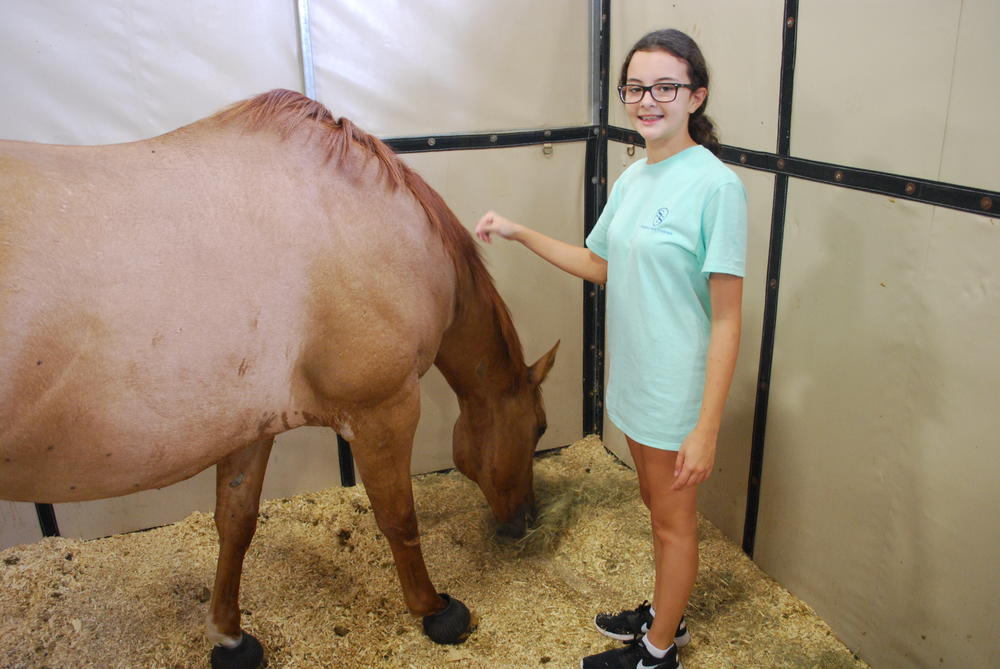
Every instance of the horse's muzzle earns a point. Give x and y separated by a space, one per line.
518 524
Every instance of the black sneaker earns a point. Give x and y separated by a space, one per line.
633 655
632 624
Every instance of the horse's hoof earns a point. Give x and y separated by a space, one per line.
248 654
450 625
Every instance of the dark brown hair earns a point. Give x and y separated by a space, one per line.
700 127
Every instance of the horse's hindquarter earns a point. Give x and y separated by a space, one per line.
164 301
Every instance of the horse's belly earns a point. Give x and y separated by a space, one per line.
87 414
79 453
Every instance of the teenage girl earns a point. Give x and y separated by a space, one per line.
670 246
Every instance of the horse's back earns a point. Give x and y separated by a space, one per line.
165 302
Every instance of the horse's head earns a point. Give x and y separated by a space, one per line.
494 442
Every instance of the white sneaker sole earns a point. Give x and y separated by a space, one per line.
679 641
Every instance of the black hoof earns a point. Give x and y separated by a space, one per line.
248 654
450 625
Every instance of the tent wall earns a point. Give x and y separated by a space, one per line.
882 428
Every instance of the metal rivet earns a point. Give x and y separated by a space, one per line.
593 180
773 283
494 138
781 163
432 141
743 158
603 181
548 133
910 188
838 175
986 203
790 22
597 130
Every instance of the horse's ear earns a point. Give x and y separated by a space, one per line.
538 371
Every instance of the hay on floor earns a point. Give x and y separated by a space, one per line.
320 590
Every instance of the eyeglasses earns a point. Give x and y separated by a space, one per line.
662 92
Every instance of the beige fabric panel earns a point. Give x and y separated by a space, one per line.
972 133
741 41
101 73
881 442
546 193
887 106
18 524
722 499
440 66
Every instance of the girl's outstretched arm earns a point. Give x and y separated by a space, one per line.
576 260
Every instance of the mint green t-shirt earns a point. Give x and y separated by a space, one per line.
665 228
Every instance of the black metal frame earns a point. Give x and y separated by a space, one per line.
780 163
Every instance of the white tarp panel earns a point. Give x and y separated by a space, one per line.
121 70
440 66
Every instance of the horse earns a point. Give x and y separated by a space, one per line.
175 303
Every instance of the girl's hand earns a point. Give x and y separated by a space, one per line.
492 222
695 460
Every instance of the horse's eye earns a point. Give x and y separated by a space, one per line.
541 430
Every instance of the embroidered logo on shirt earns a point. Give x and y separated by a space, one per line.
659 222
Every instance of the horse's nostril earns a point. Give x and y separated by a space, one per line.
513 529
518 524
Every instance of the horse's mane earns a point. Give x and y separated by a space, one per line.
286 112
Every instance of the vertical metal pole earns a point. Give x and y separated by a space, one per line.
595 195
305 50
773 278
47 520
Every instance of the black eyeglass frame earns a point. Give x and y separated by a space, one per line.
649 89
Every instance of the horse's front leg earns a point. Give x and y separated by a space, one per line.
382 450
238 481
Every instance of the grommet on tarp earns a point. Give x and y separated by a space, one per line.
547 148
630 150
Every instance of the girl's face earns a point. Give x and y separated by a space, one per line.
664 125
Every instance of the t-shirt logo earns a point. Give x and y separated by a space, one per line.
659 222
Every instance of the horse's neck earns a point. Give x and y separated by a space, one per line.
474 357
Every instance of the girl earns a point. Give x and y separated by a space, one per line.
670 245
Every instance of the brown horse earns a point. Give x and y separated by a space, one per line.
174 303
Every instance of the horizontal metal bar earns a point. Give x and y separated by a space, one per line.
977 201
488 140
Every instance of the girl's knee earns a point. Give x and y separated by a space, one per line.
674 525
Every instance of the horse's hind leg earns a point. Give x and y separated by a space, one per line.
382 451
238 482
